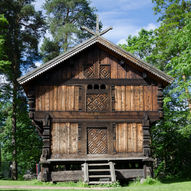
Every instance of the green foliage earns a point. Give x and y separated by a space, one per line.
147 181
168 48
4 63
28 142
141 45
21 33
65 17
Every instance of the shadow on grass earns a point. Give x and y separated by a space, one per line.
174 180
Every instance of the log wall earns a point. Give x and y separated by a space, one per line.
129 137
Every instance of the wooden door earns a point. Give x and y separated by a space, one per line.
97 140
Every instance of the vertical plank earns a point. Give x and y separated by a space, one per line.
116 98
61 139
121 73
148 98
55 99
155 97
67 98
59 100
68 131
117 138
65 138
47 104
140 137
130 138
72 97
134 137
141 98
42 92
128 98
63 108
73 138
51 98
37 104
123 98
132 99
113 68
53 138
76 103
126 137
136 98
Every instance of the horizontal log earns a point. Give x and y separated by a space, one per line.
82 157
130 82
61 176
129 173
101 116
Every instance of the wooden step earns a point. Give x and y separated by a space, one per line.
100 182
98 170
99 164
99 176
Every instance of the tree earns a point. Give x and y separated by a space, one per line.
141 45
65 17
4 63
169 50
24 30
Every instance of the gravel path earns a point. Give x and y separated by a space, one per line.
52 188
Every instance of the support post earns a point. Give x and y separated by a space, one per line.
45 167
85 169
112 170
146 136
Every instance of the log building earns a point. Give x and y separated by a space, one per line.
93 107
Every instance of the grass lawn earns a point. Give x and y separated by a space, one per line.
178 186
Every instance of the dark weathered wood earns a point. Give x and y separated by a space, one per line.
129 173
146 136
96 105
62 176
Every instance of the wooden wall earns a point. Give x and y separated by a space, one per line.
129 137
93 63
136 98
57 98
64 138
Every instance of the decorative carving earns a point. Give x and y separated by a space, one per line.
46 138
105 71
97 102
89 71
97 141
160 100
31 102
146 136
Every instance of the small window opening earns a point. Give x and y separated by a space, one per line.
103 87
90 87
96 87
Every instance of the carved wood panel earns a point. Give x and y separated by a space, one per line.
89 71
97 140
105 71
97 102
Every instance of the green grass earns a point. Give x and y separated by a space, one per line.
149 185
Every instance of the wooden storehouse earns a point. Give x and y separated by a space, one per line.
93 106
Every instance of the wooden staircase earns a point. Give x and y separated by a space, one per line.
99 173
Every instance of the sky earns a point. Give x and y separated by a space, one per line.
126 17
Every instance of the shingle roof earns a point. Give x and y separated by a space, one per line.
95 39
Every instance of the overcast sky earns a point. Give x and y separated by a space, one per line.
125 16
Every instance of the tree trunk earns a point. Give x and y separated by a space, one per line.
65 42
14 157
187 93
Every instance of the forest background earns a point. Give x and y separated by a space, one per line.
168 48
